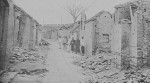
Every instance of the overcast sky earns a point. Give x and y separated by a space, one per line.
52 11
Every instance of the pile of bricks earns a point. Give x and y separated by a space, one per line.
100 69
24 62
21 55
96 63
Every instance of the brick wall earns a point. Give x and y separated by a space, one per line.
104 29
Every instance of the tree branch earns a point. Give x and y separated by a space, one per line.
74 11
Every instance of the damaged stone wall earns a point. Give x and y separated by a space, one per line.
140 38
32 34
138 13
88 38
124 13
125 43
13 25
123 18
146 18
21 30
16 28
26 37
148 45
104 32
20 19
24 31
142 22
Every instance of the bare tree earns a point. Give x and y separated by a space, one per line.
75 10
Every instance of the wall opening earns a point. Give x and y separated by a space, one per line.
105 38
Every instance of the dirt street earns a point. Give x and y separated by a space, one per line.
60 66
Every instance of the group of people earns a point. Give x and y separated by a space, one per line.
71 45
63 43
75 45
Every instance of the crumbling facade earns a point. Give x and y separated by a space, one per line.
125 32
98 33
104 32
25 30
133 20
16 28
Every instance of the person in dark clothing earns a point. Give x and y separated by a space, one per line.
77 44
82 46
82 49
72 44
65 40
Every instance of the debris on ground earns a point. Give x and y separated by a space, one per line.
44 42
101 69
23 78
25 62
95 64
22 55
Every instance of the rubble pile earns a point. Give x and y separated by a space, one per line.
44 42
33 72
25 62
98 66
96 63
22 55
26 59
101 69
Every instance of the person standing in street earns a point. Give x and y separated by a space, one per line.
66 40
82 46
65 43
72 45
77 44
60 42
68 45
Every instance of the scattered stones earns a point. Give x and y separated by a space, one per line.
96 63
22 55
101 69
44 42
24 62
33 72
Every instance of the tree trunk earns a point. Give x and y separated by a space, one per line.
74 19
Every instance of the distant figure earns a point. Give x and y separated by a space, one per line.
72 45
77 44
60 42
65 40
68 45
82 46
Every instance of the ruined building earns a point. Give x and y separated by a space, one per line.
25 30
132 19
17 28
55 30
127 32
98 33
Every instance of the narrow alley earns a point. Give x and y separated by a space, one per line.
61 67
74 41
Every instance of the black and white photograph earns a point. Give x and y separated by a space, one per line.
74 41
